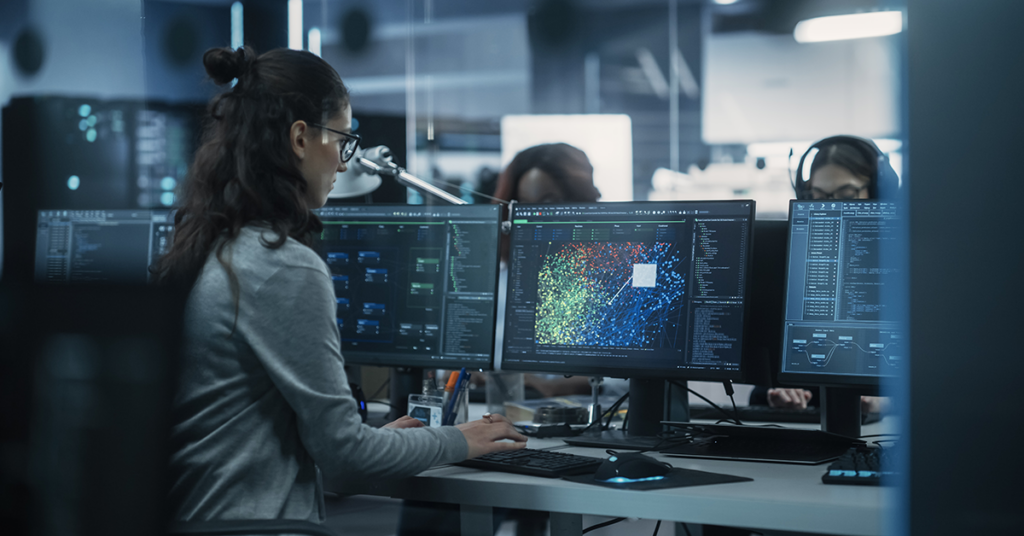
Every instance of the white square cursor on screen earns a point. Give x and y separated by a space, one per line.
645 275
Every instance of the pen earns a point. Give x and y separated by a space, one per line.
448 390
454 397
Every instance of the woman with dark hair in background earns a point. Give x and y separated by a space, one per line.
841 171
549 173
264 404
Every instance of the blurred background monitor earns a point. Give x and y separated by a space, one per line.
100 246
89 154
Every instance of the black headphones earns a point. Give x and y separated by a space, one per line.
884 183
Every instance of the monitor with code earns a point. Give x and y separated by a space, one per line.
415 285
100 246
634 289
839 329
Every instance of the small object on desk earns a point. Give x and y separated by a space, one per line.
861 465
631 467
555 415
547 430
534 462
760 444
765 413
526 410
426 409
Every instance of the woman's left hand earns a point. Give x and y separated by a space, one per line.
404 422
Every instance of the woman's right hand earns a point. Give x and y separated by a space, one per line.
789 398
488 434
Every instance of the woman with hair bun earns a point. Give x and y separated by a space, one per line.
263 404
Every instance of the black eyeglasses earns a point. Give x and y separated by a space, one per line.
349 144
845 192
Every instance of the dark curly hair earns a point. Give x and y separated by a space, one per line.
558 160
562 162
244 170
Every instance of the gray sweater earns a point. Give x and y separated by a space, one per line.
265 401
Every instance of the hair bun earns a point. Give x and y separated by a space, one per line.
224 64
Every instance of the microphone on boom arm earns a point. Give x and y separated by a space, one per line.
379 161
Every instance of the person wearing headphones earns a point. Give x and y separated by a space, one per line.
263 405
845 167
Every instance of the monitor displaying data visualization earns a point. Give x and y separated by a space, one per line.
100 246
635 289
415 285
838 327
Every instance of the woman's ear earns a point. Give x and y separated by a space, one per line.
297 137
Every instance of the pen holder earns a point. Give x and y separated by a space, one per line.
460 409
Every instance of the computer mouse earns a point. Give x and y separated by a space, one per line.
629 467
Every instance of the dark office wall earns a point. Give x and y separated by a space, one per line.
265 24
175 36
965 87
561 39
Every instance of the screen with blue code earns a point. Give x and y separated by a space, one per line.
415 285
839 327
100 246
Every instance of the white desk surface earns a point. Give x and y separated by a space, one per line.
781 496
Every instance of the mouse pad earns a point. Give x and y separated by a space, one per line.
676 478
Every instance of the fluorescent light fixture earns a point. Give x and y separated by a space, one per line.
782 148
314 41
295 24
237 35
726 2
855 26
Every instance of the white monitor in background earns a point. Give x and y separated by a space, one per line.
607 139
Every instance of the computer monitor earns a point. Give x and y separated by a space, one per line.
100 246
416 287
838 330
644 290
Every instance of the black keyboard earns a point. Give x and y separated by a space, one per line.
757 413
535 462
862 465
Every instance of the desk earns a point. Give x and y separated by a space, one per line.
781 497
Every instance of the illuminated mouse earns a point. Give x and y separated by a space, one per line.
631 467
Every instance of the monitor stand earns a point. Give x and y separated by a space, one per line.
647 410
404 382
840 411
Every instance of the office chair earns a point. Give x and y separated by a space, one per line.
247 526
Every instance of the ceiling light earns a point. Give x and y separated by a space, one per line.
295 24
855 26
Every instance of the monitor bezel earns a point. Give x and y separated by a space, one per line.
865 384
381 359
644 373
